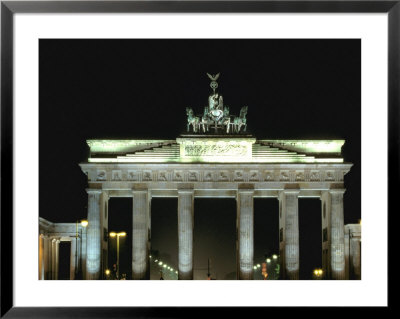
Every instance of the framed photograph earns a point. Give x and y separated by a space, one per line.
221 147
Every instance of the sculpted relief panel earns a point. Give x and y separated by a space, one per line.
213 150
217 175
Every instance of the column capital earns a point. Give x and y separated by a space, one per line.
186 191
294 191
140 190
245 191
93 191
337 191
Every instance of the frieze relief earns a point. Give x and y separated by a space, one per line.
218 175
147 176
162 176
254 176
223 176
193 176
330 176
299 176
133 176
215 149
284 176
269 176
178 176
116 175
208 176
101 175
238 176
314 176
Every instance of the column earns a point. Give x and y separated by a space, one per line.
140 231
93 253
78 269
326 233
337 253
245 231
53 259
41 257
47 256
289 233
73 259
185 234
57 258
83 252
355 247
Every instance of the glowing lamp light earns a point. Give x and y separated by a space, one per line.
160 263
274 256
107 272
318 272
268 260
113 234
165 266
84 223
255 267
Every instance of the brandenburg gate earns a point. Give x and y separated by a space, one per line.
216 158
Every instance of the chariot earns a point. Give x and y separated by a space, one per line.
216 116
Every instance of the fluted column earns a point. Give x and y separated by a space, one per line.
355 248
73 259
326 233
140 232
289 233
47 258
93 253
53 259
41 257
338 270
83 252
245 225
185 234
57 258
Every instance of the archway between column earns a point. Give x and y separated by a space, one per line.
214 245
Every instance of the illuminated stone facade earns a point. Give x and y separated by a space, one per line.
225 166
50 237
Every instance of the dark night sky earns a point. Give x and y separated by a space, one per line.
300 89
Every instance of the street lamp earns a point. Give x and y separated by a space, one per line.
107 272
83 223
118 235
318 273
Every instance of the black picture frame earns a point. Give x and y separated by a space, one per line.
9 8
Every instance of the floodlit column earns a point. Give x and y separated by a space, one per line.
245 225
41 257
326 233
83 252
289 233
57 258
46 260
53 259
93 253
73 259
140 232
338 270
185 234
355 248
